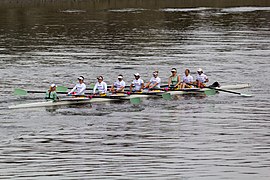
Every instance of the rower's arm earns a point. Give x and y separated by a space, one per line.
154 85
94 90
112 88
105 88
177 84
169 81
123 85
147 84
82 90
178 81
121 89
72 90
130 87
55 97
142 86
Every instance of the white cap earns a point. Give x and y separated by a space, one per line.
53 85
173 70
120 77
81 78
100 77
200 70
137 74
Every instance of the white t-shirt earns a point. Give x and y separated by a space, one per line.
154 80
187 79
78 89
137 84
119 84
101 87
202 78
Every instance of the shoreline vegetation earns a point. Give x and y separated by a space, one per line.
115 4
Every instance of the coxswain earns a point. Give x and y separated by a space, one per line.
154 82
79 88
51 93
100 86
187 80
118 85
201 79
137 84
174 79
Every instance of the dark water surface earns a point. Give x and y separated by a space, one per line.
217 137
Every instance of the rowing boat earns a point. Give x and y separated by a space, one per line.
121 96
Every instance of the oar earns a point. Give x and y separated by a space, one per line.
22 92
227 91
215 87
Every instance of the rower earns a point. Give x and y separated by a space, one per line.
118 85
154 82
51 93
174 79
187 80
79 88
137 83
201 78
101 86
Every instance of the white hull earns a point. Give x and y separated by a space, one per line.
60 103
73 101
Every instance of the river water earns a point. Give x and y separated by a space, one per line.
215 137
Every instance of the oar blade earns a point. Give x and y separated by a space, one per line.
91 86
210 92
135 100
167 96
20 92
61 89
246 95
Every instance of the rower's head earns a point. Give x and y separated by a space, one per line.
200 71
100 79
173 71
187 71
155 74
120 77
53 87
80 78
137 76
